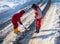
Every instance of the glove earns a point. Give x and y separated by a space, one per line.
21 23
16 30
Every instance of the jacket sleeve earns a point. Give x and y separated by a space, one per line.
21 13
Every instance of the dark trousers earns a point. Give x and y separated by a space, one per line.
37 29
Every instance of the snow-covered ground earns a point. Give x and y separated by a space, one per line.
2 32
4 6
50 30
27 23
11 4
9 7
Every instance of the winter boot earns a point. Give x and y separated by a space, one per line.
37 30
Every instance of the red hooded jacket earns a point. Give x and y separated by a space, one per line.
16 18
38 16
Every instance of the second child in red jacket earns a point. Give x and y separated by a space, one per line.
38 16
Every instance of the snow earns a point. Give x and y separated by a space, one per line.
8 8
23 20
27 23
13 36
4 5
50 29
13 3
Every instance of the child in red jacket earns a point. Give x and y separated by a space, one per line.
38 16
17 18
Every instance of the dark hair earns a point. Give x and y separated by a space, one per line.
34 6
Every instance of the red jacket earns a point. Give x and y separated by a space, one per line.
16 18
38 16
